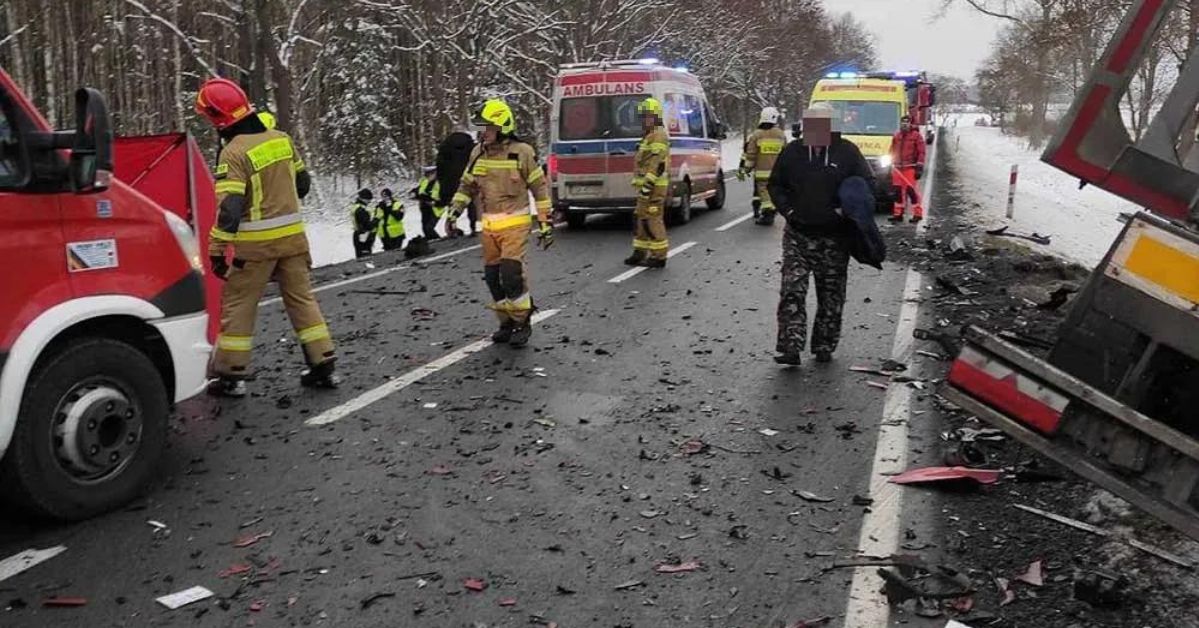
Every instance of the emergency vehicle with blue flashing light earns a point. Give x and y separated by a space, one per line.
871 105
1117 398
595 129
104 320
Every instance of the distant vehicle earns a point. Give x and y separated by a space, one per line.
103 322
595 131
871 105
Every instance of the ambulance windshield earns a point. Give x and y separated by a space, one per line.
867 118
599 118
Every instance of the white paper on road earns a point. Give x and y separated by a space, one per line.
956 624
17 563
185 597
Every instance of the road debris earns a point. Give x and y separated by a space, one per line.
810 623
955 624
182 598
235 570
691 565
929 475
1034 575
630 584
1100 589
27 559
812 497
64 602
507 601
1031 237
1167 556
1058 298
768 432
1005 589
475 584
250 539
439 469
693 446
367 601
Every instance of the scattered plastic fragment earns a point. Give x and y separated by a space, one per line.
371 599
630 584
768 432
1034 575
812 497
251 539
691 565
508 601
474 584
234 570
946 474
64 602
183 598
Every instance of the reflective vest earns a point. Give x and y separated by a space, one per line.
360 216
390 219
762 149
499 179
262 167
651 166
429 188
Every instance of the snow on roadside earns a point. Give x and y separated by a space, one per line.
1083 223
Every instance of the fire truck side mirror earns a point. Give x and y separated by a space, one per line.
91 149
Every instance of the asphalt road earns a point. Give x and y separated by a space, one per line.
557 475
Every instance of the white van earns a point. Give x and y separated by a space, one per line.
595 131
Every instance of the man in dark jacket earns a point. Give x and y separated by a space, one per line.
364 223
805 185
452 157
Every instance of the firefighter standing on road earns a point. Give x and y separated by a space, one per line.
364 224
907 155
260 180
389 220
652 181
761 151
500 174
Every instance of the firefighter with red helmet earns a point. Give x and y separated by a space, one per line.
907 157
260 180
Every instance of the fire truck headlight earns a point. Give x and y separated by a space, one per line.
186 239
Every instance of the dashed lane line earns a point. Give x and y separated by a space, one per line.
736 221
407 379
629 274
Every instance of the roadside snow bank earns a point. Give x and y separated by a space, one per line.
1083 223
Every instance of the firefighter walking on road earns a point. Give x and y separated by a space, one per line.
761 151
651 181
364 224
501 173
260 180
907 156
389 221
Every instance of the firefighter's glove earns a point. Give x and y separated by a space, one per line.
454 213
742 174
220 267
919 171
545 235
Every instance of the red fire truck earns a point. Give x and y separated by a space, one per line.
103 320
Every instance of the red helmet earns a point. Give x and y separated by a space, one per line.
222 102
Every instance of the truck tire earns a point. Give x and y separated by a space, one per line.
681 215
717 202
90 431
576 220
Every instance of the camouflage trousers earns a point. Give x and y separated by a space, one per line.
826 260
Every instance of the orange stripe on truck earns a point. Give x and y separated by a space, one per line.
1173 270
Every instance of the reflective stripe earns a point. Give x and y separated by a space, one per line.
438 211
651 245
501 164
664 182
235 343
762 175
641 245
298 166
224 236
271 223
499 222
535 176
655 147
468 178
313 334
270 152
271 234
520 304
499 306
255 196
767 204
461 197
231 187
651 177
770 147
222 171
542 204
638 181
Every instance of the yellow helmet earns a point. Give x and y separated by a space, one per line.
497 113
267 118
650 105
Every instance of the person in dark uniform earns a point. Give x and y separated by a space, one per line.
453 155
805 185
427 194
364 223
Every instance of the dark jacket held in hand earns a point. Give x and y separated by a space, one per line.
806 181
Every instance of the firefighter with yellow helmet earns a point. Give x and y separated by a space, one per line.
501 173
260 180
762 149
651 180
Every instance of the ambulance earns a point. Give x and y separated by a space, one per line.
105 316
871 105
595 131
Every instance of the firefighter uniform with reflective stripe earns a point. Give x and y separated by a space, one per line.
762 149
268 242
651 181
499 178
389 218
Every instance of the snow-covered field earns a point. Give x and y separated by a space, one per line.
1082 223
327 212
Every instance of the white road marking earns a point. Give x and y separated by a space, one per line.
407 379
733 223
629 274
17 563
880 527
380 273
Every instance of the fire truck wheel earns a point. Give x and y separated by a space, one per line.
91 429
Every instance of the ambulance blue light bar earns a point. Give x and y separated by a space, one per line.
648 61
844 75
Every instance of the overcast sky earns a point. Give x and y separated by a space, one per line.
910 38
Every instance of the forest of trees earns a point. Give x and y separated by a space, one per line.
370 86
1047 48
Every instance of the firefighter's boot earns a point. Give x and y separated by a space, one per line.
766 219
227 387
503 335
637 258
520 335
319 376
